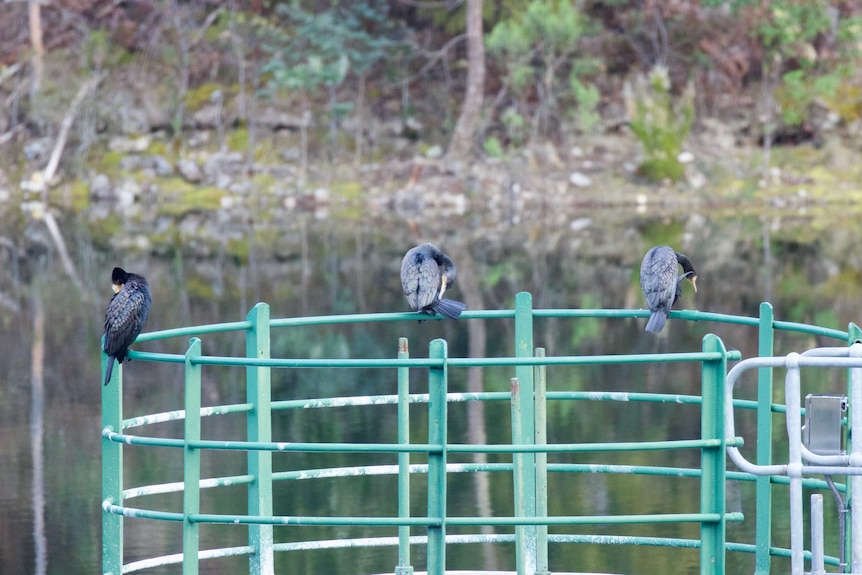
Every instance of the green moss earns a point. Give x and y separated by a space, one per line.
846 101
179 197
237 140
158 148
238 250
110 161
347 190
660 169
104 230
264 181
199 289
199 97
661 232
79 194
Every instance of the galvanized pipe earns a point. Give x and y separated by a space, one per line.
794 462
856 461
817 560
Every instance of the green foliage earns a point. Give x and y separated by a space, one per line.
659 125
534 46
493 147
788 31
318 49
102 53
798 89
587 97
516 126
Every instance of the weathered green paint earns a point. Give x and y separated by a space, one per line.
259 429
541 413
403 567
525 482
112 469
713 460
191 460
437 421
528 448
763 503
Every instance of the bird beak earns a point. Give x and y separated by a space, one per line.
694 285
117 287
442 286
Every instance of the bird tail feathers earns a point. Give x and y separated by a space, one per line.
448 308
109 370
656 322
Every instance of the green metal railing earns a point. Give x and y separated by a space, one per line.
529 447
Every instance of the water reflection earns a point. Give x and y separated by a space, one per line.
306 267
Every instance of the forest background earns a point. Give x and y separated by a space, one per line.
421 83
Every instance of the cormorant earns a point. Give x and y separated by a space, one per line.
660 284
127 313
426 272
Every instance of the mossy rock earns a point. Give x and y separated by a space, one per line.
199 97
661 169
180 197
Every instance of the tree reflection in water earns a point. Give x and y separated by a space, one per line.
309 267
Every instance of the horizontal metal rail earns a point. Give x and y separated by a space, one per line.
530 526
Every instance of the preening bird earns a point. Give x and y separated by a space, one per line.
126 315
426 273
660 284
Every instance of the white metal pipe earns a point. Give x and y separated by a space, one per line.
818 566
793 418
856 453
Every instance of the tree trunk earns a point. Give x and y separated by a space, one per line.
35 9
461 145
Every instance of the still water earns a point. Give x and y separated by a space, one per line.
807 266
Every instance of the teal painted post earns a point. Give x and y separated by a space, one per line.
112 471
404 567
259 428
763 484
437 389
525 490
713 462
191 460
540 409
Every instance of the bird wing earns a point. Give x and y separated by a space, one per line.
126 315
420 280
658 279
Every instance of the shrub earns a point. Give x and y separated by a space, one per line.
659 125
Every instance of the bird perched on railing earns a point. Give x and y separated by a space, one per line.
126 315
660 284
426 273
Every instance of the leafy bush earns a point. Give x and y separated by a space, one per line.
534 48
659 125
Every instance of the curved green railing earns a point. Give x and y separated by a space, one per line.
529 468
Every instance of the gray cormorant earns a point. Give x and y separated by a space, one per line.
127 313
426 273
660 284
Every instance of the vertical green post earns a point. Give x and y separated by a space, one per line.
259 428
763 484
191 460
404 567
540 408
713 459
437 412
525 490
112 470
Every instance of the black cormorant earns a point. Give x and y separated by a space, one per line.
127 313
660 284
426 272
